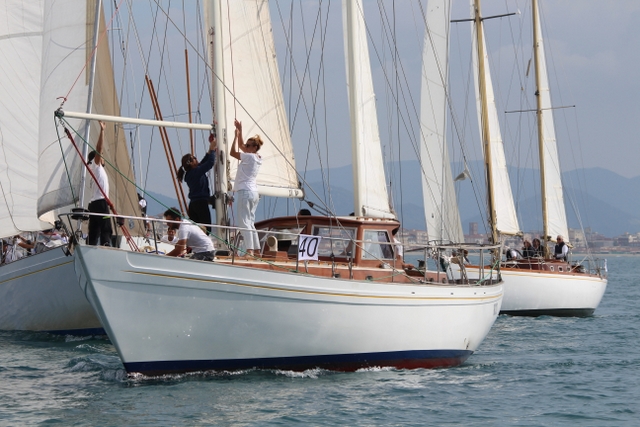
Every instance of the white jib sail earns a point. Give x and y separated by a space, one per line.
21 53
66 50
503 205
253 93
370 191
556 215
440 204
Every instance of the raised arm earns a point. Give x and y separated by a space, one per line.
100 144
239 140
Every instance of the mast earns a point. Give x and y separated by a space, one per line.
554 217
213 14
537 40
353 96
92 77
484 122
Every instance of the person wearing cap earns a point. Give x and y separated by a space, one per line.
561 250
99 227
246 185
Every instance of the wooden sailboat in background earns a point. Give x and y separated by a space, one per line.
354 307
52 41
534 286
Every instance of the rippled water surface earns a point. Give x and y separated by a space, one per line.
528 372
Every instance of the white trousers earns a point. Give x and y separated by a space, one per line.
247 205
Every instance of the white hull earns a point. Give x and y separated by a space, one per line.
41 293
535 293
168 315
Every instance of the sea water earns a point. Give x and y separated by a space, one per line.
528 372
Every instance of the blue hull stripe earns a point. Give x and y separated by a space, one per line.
341 362
558 312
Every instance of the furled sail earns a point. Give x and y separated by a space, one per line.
370 191
67 49
440 204
252 93
21 53
501 198
556 218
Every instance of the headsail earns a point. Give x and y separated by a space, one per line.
501 205
67 46
554 215
369 187
440 205
21 52
252 93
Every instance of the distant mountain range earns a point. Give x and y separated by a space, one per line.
606 202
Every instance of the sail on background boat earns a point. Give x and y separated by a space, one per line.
21 52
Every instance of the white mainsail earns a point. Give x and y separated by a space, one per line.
555 220
440 204
501 203
67 49
251 91
370 190
21 53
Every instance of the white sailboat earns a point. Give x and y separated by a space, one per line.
47 44
354 307
534 286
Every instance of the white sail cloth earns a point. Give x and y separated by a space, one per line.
440 204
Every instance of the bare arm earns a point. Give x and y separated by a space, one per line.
100 144
235 151
179 249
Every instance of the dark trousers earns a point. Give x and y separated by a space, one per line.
199 212
99 228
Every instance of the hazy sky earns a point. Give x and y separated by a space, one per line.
591 44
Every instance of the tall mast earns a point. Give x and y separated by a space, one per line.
537 40
484 125
92 78
215 35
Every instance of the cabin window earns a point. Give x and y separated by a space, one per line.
336 241
376 245
551 268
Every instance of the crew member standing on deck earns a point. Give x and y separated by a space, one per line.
246 185
99 227
194 174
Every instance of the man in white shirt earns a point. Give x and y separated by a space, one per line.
99 227
189 235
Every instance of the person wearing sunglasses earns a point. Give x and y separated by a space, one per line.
246 185
194 173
